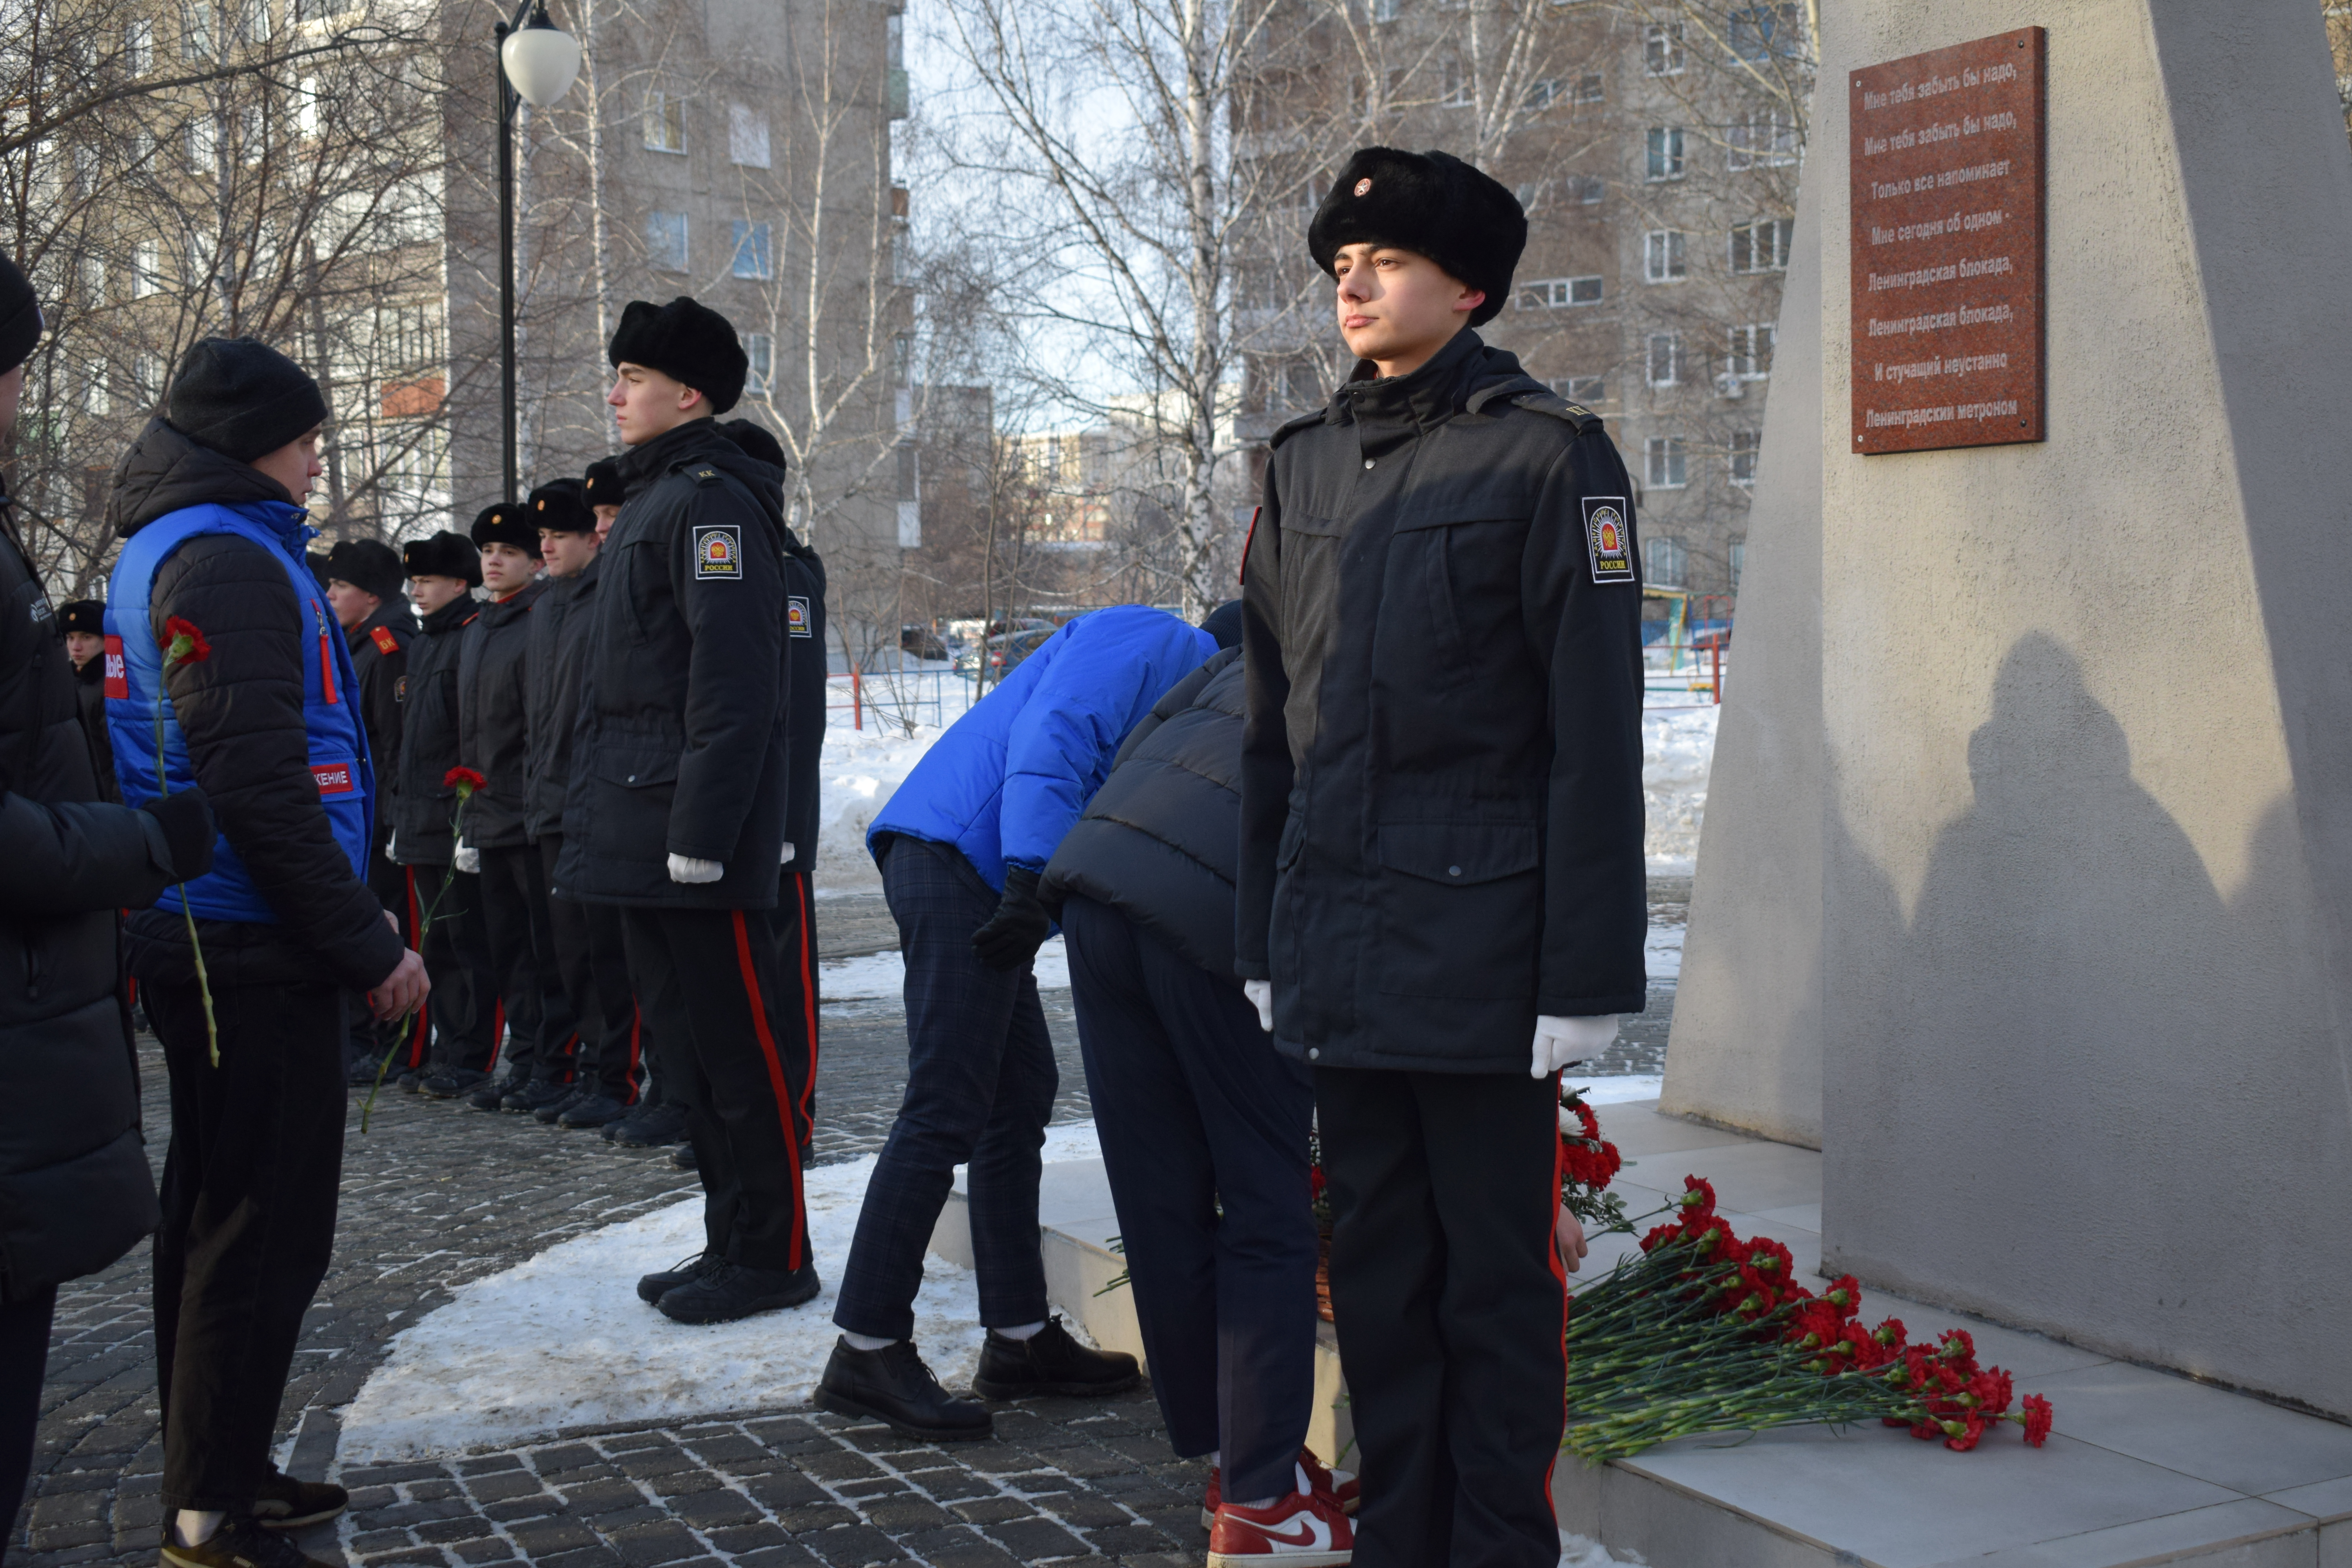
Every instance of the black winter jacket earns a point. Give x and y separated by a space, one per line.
1161 839
493 729
1441 776
241 712
423 805
559 625
379 647
74 1193
804 717
681 746
89 691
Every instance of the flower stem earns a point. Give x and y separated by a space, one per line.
204 981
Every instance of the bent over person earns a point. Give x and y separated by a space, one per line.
255 705
1441 881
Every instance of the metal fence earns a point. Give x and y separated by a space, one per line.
897 697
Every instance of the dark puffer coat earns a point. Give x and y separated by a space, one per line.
74 1193
1442 783
1161 841
422 804
89 687
493 732
683 709
559 624
379 647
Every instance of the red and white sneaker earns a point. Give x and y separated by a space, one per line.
1305 1530
1339 1486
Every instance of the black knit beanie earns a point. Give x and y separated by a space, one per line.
20 317
756 440
1432 204
368 564
557 507
243 398
1225 623
83 616
445 554
603 487
686 342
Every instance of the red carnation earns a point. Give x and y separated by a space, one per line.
464 781
1698 1198
181 643
1962 1435
2036 1418
1843 1294
1315 1180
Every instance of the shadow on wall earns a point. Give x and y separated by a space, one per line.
2081 1091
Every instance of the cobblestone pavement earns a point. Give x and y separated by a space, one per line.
434 1196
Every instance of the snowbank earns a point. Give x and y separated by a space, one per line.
1677 747
877 976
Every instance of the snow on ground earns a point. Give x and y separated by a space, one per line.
1575 1551
884 975
1661 954
1677 748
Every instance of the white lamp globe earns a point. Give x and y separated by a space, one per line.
540 59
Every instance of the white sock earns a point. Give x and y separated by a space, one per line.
194 1526
1216 1458
1025 1332
865 1341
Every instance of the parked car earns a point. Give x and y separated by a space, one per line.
922 642
1007 649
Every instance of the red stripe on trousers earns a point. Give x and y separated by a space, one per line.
424 1029
497 1034
1559 1272
808 992
775 1078
636 1025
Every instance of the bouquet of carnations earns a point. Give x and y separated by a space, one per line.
1703 1331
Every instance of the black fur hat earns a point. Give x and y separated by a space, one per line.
368 564
603 487
1432 204
83 616
756 440
445 554
558 507
688 342
505 523
20 317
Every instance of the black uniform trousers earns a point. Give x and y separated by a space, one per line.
24 1360
250 1187
541 1034
467 1019
366 1038
708 980
980 1081
1451 1306
1199 1115
593 959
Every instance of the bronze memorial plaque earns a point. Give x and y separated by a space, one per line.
1947 167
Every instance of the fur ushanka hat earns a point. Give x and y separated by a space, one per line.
1432 204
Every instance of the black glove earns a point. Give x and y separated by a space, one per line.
1013 933
186 819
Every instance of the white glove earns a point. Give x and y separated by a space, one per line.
1559 1041
1261 995
470 859
687 869
788 856
390 841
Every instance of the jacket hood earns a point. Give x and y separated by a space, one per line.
701 441
1465 376
165 471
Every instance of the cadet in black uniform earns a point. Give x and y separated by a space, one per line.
84 624
1440 877
443 572
678 795
363 583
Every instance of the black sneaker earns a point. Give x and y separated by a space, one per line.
727 1291
549 1110
685 1158
361 1074
526 1098
1050 1361
893 1386
589 1108
486 1097
411 1080
281 1502
448 1083
651 1126
652 1287
237 1544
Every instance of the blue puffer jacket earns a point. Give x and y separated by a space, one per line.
1008 779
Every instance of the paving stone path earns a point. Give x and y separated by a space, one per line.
434 1196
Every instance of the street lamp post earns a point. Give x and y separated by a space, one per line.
537 64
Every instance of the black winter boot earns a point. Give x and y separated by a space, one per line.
1050 1361
727 1291
652 1287
892 1385
281 1502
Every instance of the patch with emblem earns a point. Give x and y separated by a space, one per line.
400 689
796 615
1364 187
385 642
333 778
719 552
1608 541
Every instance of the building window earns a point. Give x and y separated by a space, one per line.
1665 152
1745 445
147 378
747 136
1591 89
253 140
306 108
97 395
666 241
1545 92
1587 190
1668 469
93 280
752 257
759 348
1585 389
138 46
1761 142
1750 358
1761 246
1457 89
203 146
1662 48
664 120
1665 562
1559 293
1387 10
894 63
1665 256
146 268
902 360
1665 358
1759 31
1738 561
196 32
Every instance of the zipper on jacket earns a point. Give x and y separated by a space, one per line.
326 656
